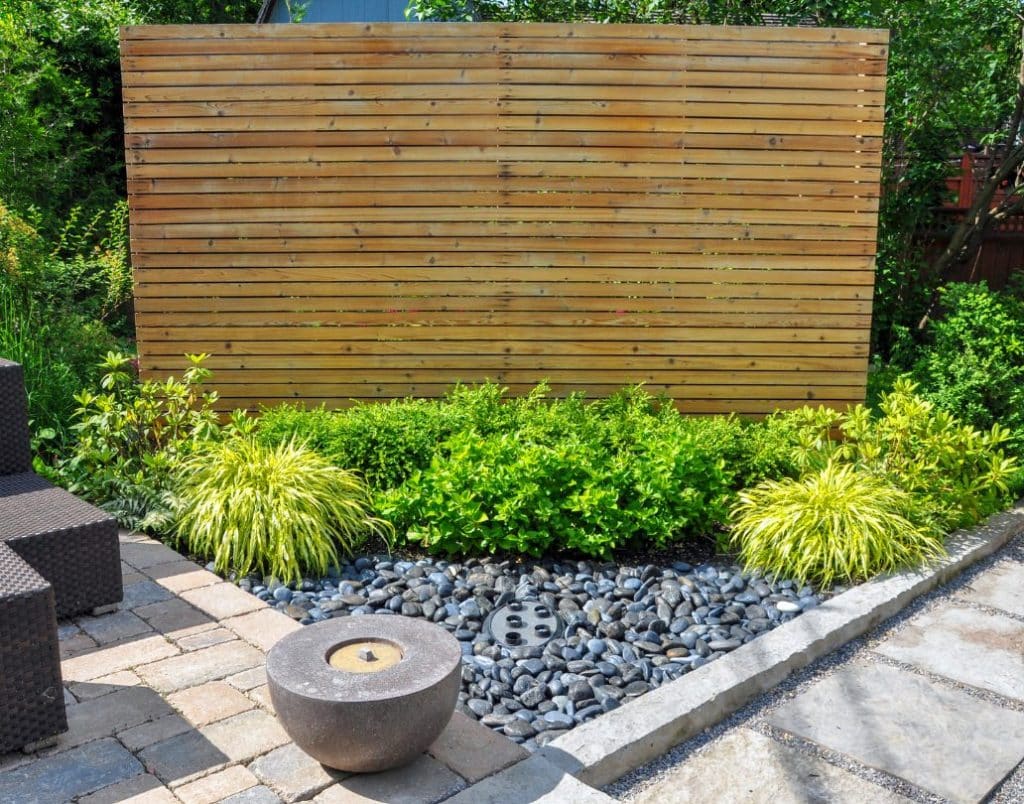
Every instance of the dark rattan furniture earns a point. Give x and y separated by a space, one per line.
59 556
72 544
31 695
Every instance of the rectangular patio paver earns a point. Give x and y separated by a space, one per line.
424 781
175 617
217 786
198 667
1001 587
179 576
146 554
261 794
104 685
939 738
977 648
146 734
69 774
745 767
182 758
113 627
120 656
204 639
223 600
144 789
109 714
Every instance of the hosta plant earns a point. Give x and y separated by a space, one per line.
834 524
282 510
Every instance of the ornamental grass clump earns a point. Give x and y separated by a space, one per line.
835 524
281 510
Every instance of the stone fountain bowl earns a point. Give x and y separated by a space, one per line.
389 693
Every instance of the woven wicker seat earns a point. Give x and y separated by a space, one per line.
72 544
31 695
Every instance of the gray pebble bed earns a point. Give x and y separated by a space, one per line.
611 632
755 715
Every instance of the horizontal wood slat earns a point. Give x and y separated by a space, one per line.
354 212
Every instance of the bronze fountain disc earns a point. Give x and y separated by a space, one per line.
365 656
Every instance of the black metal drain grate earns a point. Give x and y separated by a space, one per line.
522 624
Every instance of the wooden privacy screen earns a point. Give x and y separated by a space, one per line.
370 211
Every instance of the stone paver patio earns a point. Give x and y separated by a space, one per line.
167 702
934 709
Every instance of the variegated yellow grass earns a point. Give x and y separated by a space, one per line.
282 510
835 524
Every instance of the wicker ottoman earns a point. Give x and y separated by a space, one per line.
31 695
71 543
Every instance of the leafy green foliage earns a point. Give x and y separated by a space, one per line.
131 437
563 474
836 523
282 510
972 364
955 472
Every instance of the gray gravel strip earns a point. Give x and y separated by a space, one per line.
755 714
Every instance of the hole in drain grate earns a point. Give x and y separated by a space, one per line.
521 624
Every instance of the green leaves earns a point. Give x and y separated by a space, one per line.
281 510
538 475
837 523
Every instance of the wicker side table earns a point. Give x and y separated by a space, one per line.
31 694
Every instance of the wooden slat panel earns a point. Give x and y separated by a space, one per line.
344 212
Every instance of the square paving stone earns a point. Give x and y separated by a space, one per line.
262 628
474 751
109 714
293 774
209 702
217 786
198 667
113 627
423 781
973 647
143 593
745 767
246 736
937 738
183 757
70 774
1001 587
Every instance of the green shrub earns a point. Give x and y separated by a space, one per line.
837 523
563 474
59 355
282 510
957 473
131 437
972 364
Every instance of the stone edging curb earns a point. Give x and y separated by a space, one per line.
600 751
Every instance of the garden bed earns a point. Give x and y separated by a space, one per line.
622 629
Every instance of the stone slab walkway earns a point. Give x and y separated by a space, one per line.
930 708
167 702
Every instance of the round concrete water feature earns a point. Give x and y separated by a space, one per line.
365 693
